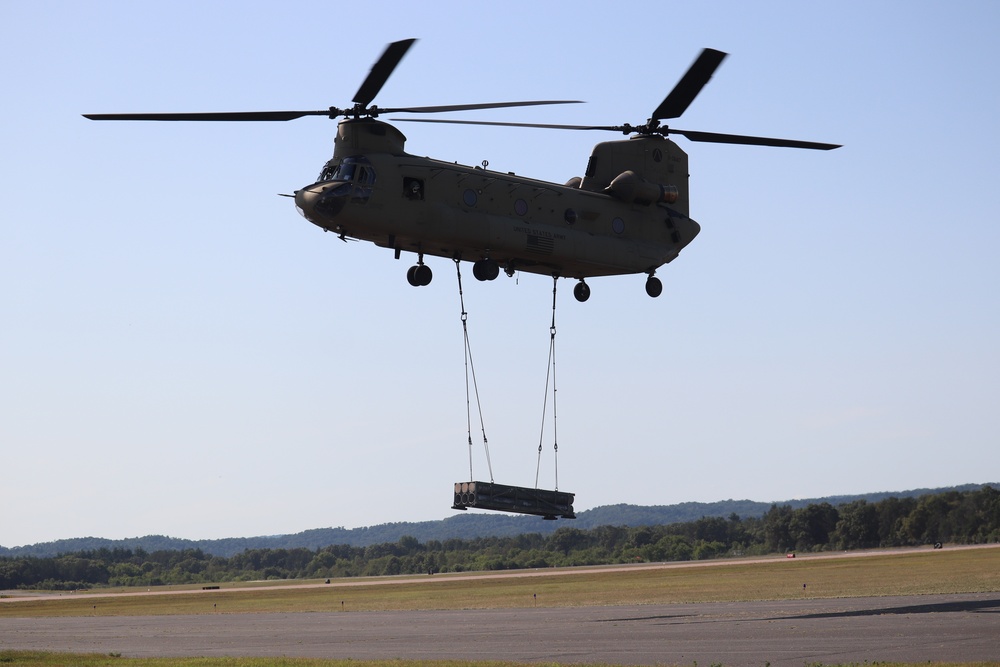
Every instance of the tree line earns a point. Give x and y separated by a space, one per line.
971 517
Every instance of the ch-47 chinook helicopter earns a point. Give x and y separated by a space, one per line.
629 213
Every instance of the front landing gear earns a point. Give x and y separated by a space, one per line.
420 274
486 269
581 291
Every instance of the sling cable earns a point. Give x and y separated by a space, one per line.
503 497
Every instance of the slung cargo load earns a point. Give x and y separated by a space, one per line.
519 499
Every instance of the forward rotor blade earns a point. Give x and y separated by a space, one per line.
219 116
680 98
717 138
332 112
381 70
473 107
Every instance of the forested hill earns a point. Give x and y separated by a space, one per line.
462 526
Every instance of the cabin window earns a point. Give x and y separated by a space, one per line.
413 188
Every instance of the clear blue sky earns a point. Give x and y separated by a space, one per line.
181 353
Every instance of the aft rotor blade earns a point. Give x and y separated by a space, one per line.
381 70
717 138
473 107
546 126
220 116
690 85
693 135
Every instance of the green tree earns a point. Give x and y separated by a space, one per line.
565 540
704 550
777 528
810 526
669 548
892 512
857 527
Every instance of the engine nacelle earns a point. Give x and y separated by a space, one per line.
632 188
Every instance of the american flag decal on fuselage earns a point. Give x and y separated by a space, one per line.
541 245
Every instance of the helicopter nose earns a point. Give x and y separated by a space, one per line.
319 203
305 201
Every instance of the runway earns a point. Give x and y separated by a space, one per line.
782 633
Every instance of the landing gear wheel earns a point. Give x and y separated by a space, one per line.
581 291
485 269
419 275
423 275
654 287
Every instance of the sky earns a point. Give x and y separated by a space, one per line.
182 354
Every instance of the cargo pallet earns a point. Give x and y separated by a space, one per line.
522 500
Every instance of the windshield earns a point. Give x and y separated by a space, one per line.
349 169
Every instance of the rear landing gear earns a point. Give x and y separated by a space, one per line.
653 286
581 291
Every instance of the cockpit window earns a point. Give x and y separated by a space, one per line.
364 175
352 169
345 171
329 169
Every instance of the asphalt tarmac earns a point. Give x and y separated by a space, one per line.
782 633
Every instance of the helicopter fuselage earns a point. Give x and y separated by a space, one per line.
628 214
373 191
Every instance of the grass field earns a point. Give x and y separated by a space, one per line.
33 659
821 576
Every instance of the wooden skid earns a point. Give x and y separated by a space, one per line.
518 499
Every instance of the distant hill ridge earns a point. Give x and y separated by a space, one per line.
463 526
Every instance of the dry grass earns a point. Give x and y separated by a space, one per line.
901 573
827 576
41 659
